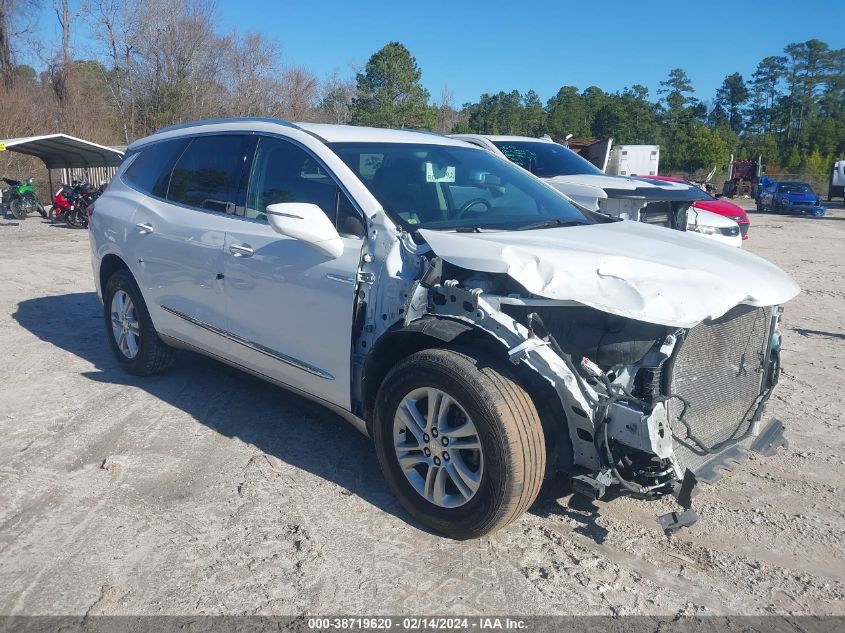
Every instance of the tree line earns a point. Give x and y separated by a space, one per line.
156 62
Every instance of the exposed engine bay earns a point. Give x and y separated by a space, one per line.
649 407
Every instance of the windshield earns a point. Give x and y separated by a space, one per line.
449 187
546 159
795 187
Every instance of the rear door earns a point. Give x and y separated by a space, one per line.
290 307
180 234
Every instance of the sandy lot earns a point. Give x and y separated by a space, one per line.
206 491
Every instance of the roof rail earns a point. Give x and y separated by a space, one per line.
255 119
422 131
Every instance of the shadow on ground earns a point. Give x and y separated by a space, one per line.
578 509
275 421
805 332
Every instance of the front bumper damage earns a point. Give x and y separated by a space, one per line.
618 439
815 210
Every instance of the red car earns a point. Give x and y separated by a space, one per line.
714 205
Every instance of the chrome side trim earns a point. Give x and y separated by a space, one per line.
289 360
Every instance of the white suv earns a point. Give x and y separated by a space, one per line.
482 329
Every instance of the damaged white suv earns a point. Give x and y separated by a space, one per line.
483 330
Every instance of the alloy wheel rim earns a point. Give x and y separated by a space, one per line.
124 323
438 447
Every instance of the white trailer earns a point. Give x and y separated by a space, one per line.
634 160
837 181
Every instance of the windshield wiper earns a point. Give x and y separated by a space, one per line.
547 224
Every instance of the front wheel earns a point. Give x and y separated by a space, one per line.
459 442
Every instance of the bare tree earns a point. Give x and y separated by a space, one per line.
14 28
447 116
6 70
253 76
336 99
299 93
116 34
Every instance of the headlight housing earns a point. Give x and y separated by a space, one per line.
704 230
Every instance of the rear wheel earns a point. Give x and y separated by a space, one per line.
130 329
76 219
459 442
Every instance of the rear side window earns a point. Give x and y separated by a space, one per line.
211 173
150 171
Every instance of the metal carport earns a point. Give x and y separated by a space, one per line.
61 151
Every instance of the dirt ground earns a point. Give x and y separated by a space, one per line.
206 491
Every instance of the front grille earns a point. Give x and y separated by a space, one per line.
718 369
743 228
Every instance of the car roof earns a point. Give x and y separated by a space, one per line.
331 133
506 137
792 182
327 133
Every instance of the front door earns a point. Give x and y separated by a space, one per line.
291 307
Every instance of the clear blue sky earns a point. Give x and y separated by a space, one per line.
490 45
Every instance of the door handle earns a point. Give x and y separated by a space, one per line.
241 250
145 228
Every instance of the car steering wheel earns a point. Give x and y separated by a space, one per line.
466 206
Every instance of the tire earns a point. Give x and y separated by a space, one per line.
18 209
152 355
509 433
76 219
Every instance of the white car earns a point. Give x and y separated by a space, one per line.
655 202
713 226
483 330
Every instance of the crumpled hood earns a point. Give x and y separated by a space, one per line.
800 197
626 268
588 189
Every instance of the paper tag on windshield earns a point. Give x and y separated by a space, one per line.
437 173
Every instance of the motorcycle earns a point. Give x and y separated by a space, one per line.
71 203
20 199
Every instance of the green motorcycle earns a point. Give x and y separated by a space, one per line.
20 199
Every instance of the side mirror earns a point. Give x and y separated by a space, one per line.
306 222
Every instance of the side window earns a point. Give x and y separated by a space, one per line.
150 171
211 173
284 172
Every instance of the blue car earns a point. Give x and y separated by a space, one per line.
789 197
